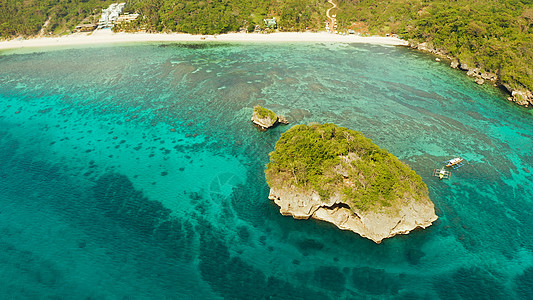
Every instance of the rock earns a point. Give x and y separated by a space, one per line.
374 225
473 72
263 117
441 52
521 97
489 76
437 59
480 81
282 120
463 66
422 47
454 64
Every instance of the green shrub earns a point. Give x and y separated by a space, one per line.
263 113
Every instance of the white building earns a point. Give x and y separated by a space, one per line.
125 18
110 15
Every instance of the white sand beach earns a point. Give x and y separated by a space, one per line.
106 36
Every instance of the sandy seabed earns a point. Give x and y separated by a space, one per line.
106 36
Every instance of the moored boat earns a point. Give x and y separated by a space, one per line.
455 162
442 173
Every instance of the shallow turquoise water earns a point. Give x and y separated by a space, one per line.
134 172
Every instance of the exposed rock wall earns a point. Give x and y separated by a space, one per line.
374 225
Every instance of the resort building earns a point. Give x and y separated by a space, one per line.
110 15
125 18
270 23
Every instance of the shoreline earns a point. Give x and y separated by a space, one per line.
106 36
522 97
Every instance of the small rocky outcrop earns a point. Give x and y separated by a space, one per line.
282 120
521 96
265 118
488 76
454 64
472 72
428 47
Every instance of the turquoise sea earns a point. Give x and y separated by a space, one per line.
134 172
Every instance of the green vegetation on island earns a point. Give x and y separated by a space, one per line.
334 160
264 113
264 118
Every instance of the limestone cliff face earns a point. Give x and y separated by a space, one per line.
375 225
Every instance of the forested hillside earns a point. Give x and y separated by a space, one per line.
494 35
27 17
220 16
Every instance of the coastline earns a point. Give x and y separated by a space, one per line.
106 36
521 97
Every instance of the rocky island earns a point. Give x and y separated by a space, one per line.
265 118
337 175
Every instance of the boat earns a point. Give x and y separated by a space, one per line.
442 173
455 162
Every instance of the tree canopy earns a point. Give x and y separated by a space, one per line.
221 16
27 17
333 160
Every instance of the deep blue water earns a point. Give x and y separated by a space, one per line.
133 172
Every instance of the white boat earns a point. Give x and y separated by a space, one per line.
454 162
442 173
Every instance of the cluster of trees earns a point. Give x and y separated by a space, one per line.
221 16
28 17
330 159
495 35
